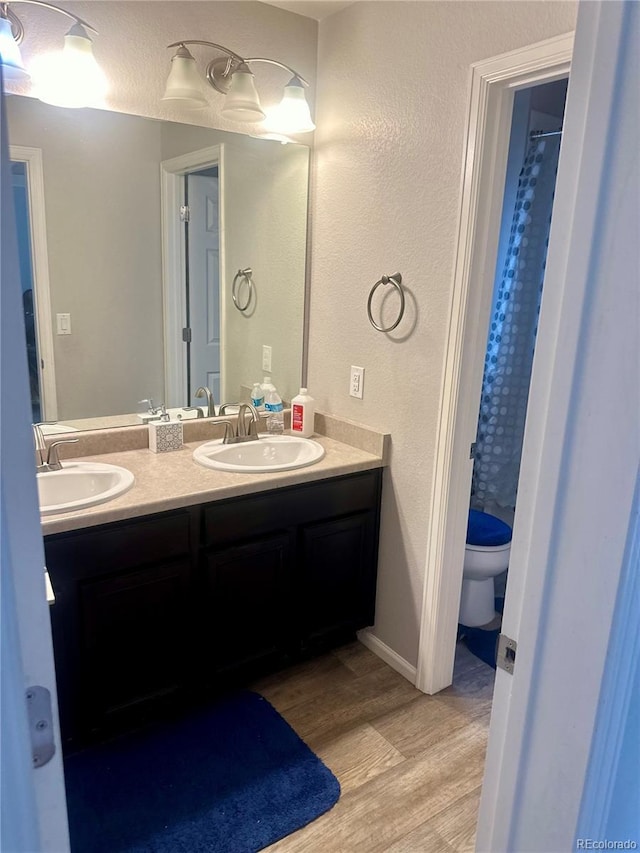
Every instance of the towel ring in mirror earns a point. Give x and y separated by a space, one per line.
240 277
396 281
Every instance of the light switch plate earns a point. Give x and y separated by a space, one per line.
356 382
63 324
266 358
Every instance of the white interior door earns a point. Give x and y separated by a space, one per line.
580 464
203 282
34 814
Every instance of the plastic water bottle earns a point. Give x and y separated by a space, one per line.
257 396
275 416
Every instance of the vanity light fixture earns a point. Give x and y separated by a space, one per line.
232 76
70 77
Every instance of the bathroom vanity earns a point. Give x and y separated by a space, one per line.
159 611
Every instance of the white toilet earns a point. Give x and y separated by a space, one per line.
486 555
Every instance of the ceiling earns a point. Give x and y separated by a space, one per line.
317 9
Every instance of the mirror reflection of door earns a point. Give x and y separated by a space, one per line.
21 206
203 282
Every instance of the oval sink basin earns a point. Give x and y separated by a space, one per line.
271 453
81 484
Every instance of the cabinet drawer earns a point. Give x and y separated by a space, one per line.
289 507
119 546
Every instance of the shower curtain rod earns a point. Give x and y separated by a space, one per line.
537 134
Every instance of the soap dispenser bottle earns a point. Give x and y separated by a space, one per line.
303 409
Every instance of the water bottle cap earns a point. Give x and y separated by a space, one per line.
303 390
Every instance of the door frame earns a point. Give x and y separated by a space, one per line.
40 269
172 172
493 84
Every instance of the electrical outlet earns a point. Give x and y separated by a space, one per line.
266 359
356 382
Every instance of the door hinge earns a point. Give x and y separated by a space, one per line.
472 450
506 655
186 335
185 213
40 717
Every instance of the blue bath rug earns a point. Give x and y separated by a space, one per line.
233 779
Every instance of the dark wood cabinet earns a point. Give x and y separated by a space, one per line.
159 611
337 577
245 604
121 622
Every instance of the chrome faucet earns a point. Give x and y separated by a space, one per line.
154 413
242 434
152 410
48 458
203 391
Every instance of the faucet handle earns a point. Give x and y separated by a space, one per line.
228 431
53 460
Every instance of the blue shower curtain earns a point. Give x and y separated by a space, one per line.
512 332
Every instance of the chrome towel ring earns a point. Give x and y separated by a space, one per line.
396 281
242 276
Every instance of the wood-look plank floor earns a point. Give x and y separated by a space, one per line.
410 766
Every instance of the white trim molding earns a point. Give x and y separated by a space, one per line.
40 266
493 83
385 653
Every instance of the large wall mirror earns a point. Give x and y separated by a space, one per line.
132 235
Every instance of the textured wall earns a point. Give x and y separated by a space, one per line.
393 93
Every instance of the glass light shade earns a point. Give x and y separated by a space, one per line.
70 77
12 65
292 115
241 102
184 83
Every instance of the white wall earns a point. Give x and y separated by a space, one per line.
393 93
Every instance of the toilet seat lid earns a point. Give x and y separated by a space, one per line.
487 530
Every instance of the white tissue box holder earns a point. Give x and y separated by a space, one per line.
165 436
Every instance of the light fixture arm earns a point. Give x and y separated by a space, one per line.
288 68
218 73
16 24
221 47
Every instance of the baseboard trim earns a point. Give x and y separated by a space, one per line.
387 654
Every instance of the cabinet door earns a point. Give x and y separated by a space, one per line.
245 604
134 636
338 571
